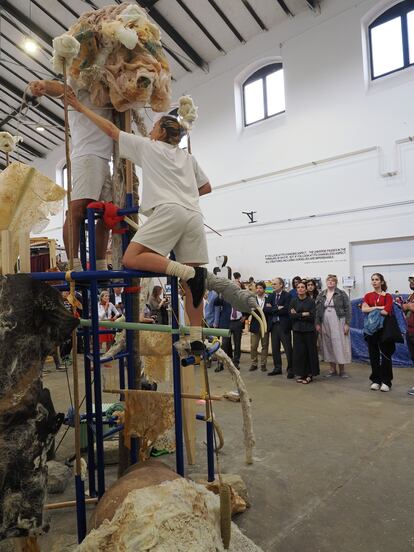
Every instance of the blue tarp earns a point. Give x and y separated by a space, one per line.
401 356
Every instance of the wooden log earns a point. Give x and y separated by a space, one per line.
193 396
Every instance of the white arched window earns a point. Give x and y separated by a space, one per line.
264 94
391 40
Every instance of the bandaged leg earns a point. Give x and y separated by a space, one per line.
240 299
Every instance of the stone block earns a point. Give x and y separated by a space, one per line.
58 477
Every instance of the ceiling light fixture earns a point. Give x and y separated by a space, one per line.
30 46
40 128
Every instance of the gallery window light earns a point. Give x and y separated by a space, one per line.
391 40
264 94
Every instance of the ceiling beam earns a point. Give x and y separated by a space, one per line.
227 21
7 6
172 33
314 5
195 19
29 149
18 131
285 8
26 147
26 116
19 93
30 56
22 155
52 17
67 7
176 58
5 66
254 14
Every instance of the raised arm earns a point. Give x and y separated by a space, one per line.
106 126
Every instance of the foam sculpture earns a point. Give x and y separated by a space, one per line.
33 322
120 59
27 199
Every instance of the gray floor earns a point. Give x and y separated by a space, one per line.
333 463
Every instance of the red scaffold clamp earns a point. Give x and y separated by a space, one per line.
110 215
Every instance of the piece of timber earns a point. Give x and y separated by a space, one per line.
7 264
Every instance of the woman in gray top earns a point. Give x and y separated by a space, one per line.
333 318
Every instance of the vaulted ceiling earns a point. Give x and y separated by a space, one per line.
194 33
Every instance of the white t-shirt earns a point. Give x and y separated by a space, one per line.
87 138
170 174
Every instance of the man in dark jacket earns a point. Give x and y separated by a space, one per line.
277 309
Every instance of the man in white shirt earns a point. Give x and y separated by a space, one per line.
91 179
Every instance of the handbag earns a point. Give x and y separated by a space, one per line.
391 332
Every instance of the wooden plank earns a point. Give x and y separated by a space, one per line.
7 263
52 253
189 410
24 252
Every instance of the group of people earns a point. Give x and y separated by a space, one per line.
173 184
311 324
295 320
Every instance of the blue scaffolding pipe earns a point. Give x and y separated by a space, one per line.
128 211
210 446
100 460
179 446
93 274
92 359
88 399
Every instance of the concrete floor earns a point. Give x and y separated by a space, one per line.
333 463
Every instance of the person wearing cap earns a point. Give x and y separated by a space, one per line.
408 308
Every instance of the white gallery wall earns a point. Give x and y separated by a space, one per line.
335 170
331 111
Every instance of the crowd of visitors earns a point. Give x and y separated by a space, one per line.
310 325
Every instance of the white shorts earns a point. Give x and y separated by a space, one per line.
171 227
91 178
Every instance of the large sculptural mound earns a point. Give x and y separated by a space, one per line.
121 59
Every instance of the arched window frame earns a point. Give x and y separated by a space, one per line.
401 9
261 74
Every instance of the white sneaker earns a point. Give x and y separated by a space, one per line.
385 388
375 387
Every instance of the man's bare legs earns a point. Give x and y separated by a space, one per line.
78 216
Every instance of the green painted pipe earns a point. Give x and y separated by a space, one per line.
138 326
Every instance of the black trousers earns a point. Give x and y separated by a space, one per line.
279 336
305 354
226 346
409 338
236 330
380 358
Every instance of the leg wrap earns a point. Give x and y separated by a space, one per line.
240 299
